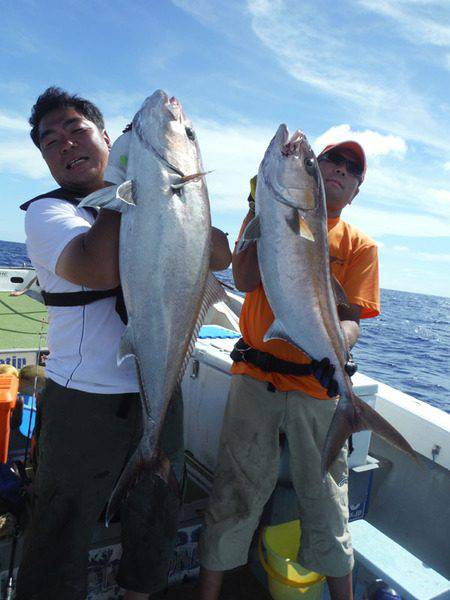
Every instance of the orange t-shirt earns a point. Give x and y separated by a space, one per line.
355 266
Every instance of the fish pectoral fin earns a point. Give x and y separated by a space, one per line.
305 231
251 234
142 461
126 347
103 198
339 293
351 417
187 179
125 192
278 332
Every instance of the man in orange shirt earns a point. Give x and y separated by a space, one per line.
277 388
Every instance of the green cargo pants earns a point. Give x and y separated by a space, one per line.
83 442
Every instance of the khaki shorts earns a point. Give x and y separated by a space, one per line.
247 473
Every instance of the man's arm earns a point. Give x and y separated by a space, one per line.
245 264
349 317
220 250
92 258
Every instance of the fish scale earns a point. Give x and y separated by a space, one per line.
290 229
164 255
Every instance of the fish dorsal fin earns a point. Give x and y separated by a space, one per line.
125 192
251 234
214 292
339 293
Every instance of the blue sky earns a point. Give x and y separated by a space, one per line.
376 71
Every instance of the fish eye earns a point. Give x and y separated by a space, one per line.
190 133
310 166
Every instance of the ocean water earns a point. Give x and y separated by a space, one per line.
13 254
407 346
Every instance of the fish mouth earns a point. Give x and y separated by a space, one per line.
174 108
75 162
293 145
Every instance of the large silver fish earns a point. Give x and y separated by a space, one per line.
164 254
290 228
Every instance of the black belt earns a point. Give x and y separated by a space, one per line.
268 363
87 297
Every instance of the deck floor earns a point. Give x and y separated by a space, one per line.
239 584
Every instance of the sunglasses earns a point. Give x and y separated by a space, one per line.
337 159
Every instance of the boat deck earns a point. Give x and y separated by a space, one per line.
239 584
22 320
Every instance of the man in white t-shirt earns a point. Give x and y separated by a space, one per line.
89 419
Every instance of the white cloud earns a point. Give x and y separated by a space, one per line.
22 158
203 10
447 166
381 88
445 258
18 155
447 61
115 125
376 222
263 7
374 143
13 123
401 249
419 27
233 152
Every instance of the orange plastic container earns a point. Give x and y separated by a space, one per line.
9 386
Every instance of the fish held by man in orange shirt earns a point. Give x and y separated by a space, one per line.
290 228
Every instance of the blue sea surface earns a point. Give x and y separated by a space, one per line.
407 346
13 254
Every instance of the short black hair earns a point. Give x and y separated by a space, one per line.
54 98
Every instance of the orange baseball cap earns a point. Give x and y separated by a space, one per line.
354 147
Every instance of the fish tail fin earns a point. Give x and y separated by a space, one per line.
126 481
139 463
355 416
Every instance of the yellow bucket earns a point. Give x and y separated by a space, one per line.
287 579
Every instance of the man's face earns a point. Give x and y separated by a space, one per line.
74 149
341 186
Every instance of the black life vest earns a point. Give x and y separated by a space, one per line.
84 297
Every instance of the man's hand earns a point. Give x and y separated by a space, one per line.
246 273
220 250
324 371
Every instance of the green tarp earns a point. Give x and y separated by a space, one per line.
22 322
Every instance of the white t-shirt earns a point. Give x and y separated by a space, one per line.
83 340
